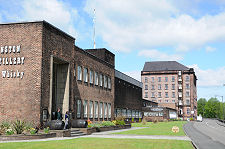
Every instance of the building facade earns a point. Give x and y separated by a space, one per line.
42 70
172 85
128 97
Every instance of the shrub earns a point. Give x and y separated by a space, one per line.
94 125
32 131
132 120
191 119
140 120
9 131
19 126
46 130
5 125
107 123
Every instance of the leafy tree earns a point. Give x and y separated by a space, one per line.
201 106
212 108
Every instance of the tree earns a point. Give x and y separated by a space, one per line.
212 108
201 106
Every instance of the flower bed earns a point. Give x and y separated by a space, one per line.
26 136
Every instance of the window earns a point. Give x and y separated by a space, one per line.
173 79
166 101
91 77
129 113
187 102
166 79
96 109
96 78
146 87
179 73
79 73
105 81
119 113
188 111
140 115
173 86
159 101
124 113
100 78
159 86
91 109
146 80
105 110
85 108
166 86
159 79
153 94
85 75
146 94
153 79
109 110
78 108
187 86
187 94
136 114
166 93
133 113
173 101
187 78
159 94
153 87
173 94
101 110
109 83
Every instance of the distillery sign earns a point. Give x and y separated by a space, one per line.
9 57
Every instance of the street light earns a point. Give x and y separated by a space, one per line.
222 104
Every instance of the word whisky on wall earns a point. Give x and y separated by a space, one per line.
5 59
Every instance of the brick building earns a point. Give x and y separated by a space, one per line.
172 85
42 70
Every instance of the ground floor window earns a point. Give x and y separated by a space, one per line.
129 113
78 108
109 109
91 109
133 113
96 109
136 114
85 108
101 110
105 110
124 113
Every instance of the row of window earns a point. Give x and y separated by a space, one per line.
166 87
166 94
155 114
95 109
127 113
171 101
94 77
166 79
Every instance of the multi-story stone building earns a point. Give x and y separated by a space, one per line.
172 85
42 70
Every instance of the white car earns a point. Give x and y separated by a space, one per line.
199 118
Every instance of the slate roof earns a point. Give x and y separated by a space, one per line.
163 65
127 78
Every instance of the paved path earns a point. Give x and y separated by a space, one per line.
108 134
207 134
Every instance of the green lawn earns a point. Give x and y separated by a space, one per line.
160 128
100 143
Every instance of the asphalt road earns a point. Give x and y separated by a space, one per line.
207 134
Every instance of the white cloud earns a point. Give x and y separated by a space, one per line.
129 24
157 55
54 11
209 77
210 49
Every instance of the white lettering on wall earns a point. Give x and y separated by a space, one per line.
11 61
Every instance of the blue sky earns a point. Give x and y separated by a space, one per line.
191 32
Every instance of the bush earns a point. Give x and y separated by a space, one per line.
191 119
46 130
132 120
107 123
9 131
144 122
32 131
19 126
140 120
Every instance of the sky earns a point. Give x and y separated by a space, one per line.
191 32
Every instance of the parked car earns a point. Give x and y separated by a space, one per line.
199 118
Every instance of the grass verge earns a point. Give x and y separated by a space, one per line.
100 143
160 128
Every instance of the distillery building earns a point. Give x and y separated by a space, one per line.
42 70
171 85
